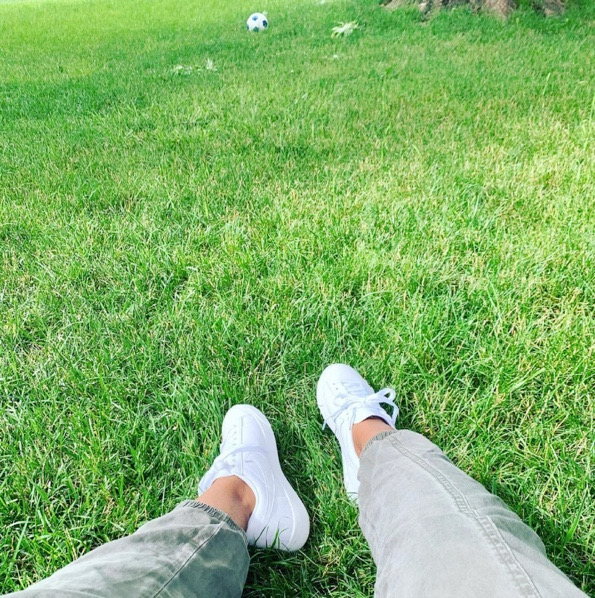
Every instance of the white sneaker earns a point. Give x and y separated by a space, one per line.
249 451
344 399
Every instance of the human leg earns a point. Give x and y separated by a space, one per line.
199 549
432 530
195 550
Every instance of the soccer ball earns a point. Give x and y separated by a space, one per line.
257 22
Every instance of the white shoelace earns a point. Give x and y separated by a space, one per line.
385 396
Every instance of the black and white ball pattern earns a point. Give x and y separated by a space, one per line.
257 22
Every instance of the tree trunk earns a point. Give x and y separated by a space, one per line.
394 4
502 8
553 7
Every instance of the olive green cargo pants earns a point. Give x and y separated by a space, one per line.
433 531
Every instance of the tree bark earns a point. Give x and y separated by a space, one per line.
394 4
553 7
502 8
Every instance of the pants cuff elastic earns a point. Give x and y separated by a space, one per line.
213 512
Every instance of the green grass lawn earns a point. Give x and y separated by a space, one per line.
416 199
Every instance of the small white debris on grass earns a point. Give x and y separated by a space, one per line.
344 29
182 70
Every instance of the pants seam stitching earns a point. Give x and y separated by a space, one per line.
490 530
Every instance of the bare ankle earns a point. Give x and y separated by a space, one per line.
233 496
365 430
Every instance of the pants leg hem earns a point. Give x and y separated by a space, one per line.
375 439
213 512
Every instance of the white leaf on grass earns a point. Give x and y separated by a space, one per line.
344 29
